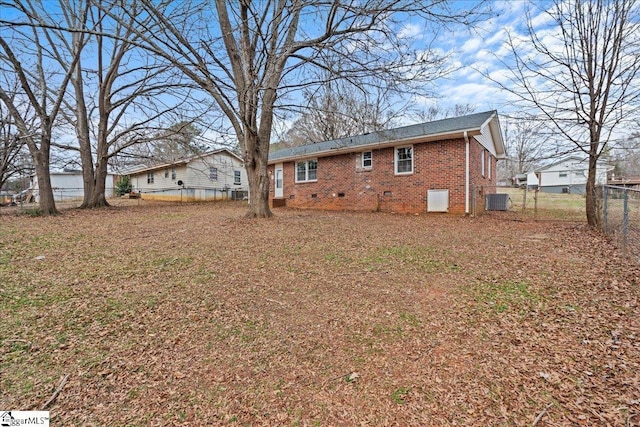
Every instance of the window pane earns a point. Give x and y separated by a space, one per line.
404 159
301 171
366 159
213 174
404 166
312 169
236 177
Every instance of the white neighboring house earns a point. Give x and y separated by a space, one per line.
68 186
569 175
215 175
526 180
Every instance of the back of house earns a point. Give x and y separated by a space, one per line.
427 167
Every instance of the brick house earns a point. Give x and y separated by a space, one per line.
427 167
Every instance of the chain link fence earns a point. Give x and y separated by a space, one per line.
72 197
618 207
523 204
621 218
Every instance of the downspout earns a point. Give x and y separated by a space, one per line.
466 173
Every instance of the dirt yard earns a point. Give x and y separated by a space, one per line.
189 315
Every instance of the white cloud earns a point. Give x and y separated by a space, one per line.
500 36
471 45
542 19
502 76
410 31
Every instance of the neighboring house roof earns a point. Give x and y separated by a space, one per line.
66 173
179 162
126 170
579 161
423 132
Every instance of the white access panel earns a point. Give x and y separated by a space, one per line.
437 200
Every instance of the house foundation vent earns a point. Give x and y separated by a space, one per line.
496 202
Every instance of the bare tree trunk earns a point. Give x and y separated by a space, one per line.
256 166
84 142
98 198
46 199
87 176
82 130
593 218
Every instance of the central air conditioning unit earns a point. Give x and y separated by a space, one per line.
496 202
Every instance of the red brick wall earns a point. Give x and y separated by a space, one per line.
481 185
436 165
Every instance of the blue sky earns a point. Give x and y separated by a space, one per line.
479 49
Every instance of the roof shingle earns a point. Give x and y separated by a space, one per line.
437 127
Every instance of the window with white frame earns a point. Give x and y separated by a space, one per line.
482 156
367 160
149 177
489 166
236 178
307 171
173 174
213 174
166 173
404 160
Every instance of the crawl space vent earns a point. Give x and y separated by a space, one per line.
437 200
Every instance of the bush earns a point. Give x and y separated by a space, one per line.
123 186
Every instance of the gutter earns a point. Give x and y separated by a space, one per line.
466 173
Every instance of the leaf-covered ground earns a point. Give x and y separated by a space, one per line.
164 314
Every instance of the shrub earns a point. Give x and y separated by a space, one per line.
123 186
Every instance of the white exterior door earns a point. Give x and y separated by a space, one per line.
279 188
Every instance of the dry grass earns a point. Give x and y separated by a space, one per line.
548 206
190 315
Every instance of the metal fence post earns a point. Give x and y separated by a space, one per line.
473 201
625 222
605 191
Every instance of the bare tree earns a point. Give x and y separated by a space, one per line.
120 92
525 144
248 56
43 86
178 141
128 80
12 147
337 109
127 90
437 112
581 73
626 157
